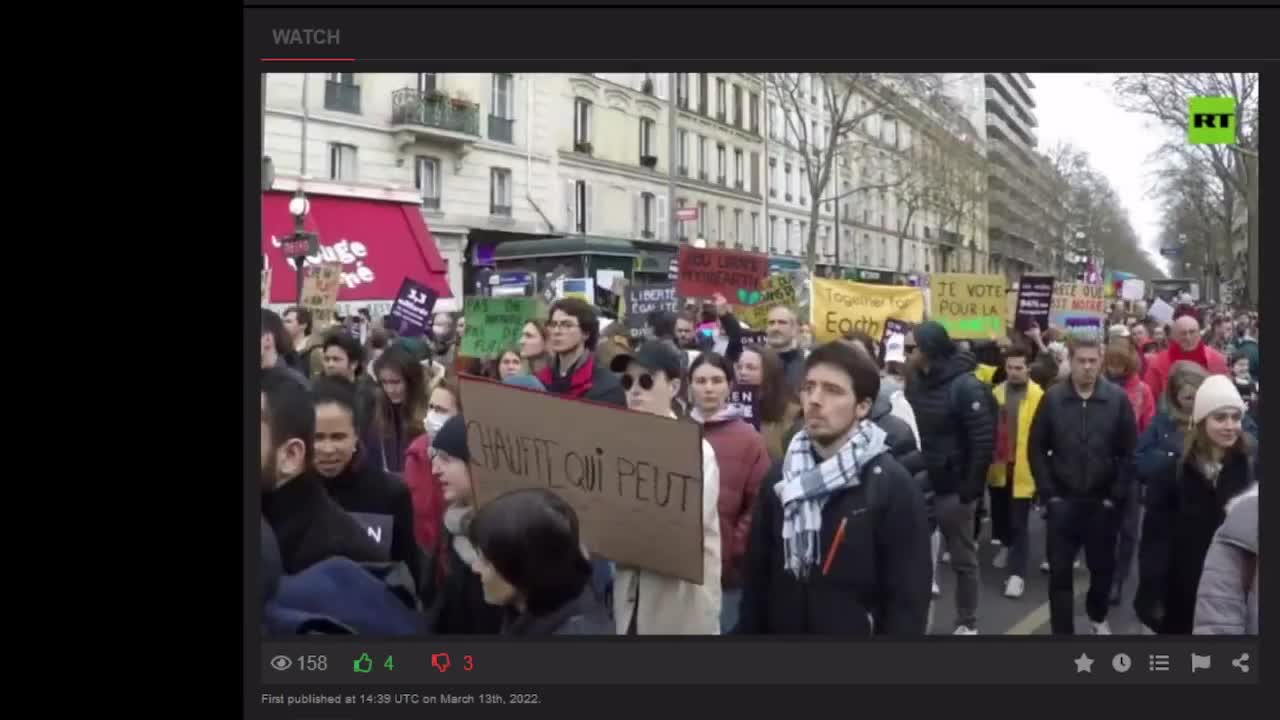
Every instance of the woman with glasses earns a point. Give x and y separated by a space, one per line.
1185 505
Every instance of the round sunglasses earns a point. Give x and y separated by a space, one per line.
645 380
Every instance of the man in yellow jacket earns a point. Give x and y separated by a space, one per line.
1010 476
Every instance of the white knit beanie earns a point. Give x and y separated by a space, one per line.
1215 393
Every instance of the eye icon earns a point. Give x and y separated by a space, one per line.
281 662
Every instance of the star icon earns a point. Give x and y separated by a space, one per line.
1084 664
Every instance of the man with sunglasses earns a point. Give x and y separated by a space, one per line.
574 329
645 602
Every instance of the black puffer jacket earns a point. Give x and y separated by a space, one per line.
956 414
1092 444
901 441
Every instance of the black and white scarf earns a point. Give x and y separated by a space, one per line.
806 486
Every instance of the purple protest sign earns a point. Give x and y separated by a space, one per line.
413 307
747 399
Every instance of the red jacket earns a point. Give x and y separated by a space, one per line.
428 499
1160 363
1143 402
744 461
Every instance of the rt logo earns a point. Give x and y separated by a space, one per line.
1211 121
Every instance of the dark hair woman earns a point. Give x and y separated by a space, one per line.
743 459
531 562
401 408
533 346
779 406
1186 503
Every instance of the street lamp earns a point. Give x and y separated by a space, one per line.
302 243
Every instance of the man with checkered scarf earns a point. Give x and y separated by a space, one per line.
840 540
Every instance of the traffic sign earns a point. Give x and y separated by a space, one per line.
687 214
1171 252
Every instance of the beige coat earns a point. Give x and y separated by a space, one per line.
677 607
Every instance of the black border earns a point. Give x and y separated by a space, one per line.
1143 35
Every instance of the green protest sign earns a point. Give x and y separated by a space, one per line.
495 323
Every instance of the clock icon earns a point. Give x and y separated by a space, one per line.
1121 663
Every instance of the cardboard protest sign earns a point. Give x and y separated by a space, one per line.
1161 312
970 307
634 479
495 323
644 299
413 307
754 337
747 399
1077 305
320 285
777 290
1133 289
378 527
1035 300
707 271
893 327
841 306
607 301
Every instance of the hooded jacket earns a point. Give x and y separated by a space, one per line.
1227 599
877 584
310 526
366 490
1092 444
1184 510
956 415
743 461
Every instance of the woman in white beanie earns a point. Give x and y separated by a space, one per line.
1187 503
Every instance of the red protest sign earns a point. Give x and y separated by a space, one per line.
705 272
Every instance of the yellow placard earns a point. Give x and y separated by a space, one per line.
841 306
970 307
776 291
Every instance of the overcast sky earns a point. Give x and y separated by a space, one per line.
1079 108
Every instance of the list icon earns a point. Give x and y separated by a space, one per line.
1158 663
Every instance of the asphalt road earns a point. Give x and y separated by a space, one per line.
1028 615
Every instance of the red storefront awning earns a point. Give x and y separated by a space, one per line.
378 243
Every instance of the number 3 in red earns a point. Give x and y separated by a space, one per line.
469 664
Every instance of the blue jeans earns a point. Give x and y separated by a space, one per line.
729 601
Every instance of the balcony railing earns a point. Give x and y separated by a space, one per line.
501 210
341 97
501 129
434 110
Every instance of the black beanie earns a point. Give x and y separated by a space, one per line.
452 438
933 340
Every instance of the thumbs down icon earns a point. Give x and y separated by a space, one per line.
440 661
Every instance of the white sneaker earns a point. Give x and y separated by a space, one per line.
936 590
1001 559
1101 628
1014 587
962 630
946 557
1044 567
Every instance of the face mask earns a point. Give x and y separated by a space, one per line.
435 421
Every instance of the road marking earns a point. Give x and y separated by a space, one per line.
1038 617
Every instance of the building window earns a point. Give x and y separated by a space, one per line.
737 227
722 103
582 125
648 157
341 93
773 177
773 120
866 249
721 164
790 187
426 83
720 224
500 192
647 209
814 139
739 180
755 173
755 230
581 206
426 178
502 121
342 162
702 220
682 145
702 157
737 106
702 93
682 90
884 252
787 226
754 110
773 232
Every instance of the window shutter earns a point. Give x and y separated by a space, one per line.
589 202
570 206
637 205
661 224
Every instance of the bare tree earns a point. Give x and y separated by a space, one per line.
1165 97
847 103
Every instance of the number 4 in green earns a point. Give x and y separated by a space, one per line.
389 664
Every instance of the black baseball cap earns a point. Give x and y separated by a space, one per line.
654 355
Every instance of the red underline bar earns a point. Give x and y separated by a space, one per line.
308 59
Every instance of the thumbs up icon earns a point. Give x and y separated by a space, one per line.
363 664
